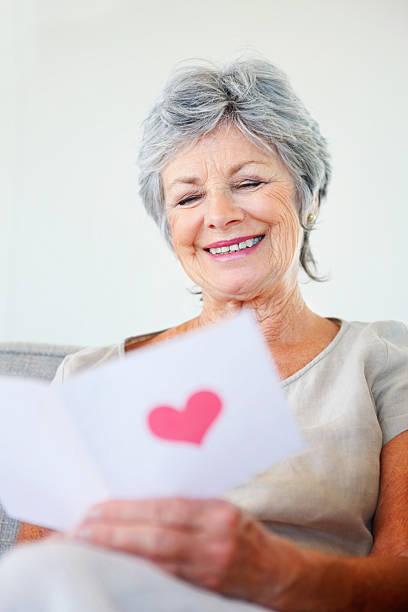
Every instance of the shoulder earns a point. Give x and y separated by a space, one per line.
381 345
384 330
87 358
390 331
377 340
91 357
393 336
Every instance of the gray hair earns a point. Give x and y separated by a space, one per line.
256 97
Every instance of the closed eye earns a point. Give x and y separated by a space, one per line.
250 184
193 198
188 200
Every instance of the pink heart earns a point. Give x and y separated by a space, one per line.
187 425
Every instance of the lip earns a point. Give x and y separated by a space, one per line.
221 243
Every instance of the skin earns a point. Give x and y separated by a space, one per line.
211 543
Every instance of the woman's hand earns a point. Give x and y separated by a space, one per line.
210 543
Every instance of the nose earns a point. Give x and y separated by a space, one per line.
221 210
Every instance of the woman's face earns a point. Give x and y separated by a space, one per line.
226 193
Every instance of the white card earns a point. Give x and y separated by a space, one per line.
47 477
194 416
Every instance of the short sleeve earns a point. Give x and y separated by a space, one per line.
390 389
85 358
60 373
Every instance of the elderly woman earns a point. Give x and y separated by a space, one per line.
233 169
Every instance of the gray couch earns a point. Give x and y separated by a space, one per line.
33 361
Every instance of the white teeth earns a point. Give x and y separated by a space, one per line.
236 246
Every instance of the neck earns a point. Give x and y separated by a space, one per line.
284 317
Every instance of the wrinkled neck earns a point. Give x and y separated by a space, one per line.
284 317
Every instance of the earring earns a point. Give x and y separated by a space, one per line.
310 219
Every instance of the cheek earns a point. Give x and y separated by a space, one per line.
183 227
290 233
264 209
286 231
273 205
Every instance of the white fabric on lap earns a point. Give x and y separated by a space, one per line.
72 577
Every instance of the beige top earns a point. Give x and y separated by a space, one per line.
349 401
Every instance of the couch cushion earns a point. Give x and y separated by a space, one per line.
31 361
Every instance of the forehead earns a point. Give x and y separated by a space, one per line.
226 147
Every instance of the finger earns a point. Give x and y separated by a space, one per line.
171 511
178 512
150 541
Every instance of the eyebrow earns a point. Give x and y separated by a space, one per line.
193 180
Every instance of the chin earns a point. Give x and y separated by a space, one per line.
239 290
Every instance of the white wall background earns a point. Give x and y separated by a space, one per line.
80 262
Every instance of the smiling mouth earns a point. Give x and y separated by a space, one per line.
236 247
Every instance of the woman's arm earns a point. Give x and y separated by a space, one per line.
391 519
379 581
327 583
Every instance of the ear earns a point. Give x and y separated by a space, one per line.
312 210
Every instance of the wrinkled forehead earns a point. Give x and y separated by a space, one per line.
224 151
